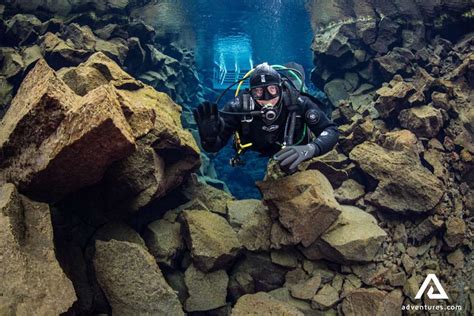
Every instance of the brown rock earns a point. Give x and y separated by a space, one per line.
69 152
426 229
251 220
349 192
404 184
424 121
263 304
60 52
440 100
283 295
307 289
206 290
304 203
402 140
214 199
98 70
132 281
393 99
411 286
164 240
32 279
211 240
135 181
355 236
455 231
456 258
372 302
326 297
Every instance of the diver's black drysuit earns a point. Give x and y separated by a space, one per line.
267 137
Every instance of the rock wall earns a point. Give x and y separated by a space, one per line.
66 33
358 45
399 74
101 212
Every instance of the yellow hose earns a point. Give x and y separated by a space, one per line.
240 83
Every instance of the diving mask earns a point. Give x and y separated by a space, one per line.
267 92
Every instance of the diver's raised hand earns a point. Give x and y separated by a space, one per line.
208 121
290 157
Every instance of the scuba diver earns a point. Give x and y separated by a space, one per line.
274 117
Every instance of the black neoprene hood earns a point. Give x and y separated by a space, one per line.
264 75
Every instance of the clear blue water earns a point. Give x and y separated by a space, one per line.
230 38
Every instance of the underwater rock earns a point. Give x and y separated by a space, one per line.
68 153
96 71
132 281
304 203
326 297
12 63
135 181
253 273
6 93
154 169
213 199
283 295
426 229
211 240
22 29
455 231
404 184
355 236
32 279
397 61
424 121
401 140
164 240
263 304
372 302
60 53
206 290
119 231
307 289
337 90
349 191
392 99
252 222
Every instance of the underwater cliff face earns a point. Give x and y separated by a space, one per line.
108 205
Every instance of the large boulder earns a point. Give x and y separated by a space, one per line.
263 304
32 279
393 98
251 220
163 238
96 71
424 121
372 302
355 236
212 241
132 281
304 204
254 273
404 184
206 290
153 169
53 140
213 199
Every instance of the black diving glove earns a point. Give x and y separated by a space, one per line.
208 121
290 157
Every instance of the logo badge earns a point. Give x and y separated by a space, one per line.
441 295
262 78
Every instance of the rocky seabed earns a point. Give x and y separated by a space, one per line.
101 209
